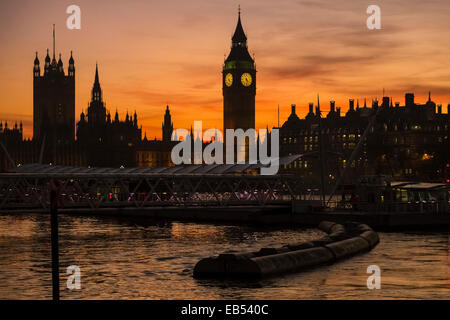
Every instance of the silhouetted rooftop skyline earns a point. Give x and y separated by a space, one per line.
152 55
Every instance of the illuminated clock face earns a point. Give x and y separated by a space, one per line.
229 79
246 79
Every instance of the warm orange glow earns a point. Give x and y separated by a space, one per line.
153 53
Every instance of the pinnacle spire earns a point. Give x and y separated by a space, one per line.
71 61
54 42
47 58
239 34
96 89
239 50
96 73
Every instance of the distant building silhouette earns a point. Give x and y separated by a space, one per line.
239 88
239 84
157 153
54 100
100 140
409 142
12 135
20 151
167 126
107 142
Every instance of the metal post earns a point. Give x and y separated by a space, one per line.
54 239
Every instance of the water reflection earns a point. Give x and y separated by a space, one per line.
145 259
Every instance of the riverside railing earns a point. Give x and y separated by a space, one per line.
431 206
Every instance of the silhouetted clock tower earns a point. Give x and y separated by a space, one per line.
239 84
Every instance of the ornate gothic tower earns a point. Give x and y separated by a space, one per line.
239 84
96 109
54 100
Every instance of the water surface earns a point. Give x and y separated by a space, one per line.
139 259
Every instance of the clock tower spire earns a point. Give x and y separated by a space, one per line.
239 83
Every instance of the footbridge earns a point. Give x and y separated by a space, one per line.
29 187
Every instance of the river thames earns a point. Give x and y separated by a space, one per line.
139 259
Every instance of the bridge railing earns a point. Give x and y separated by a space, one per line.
27 191
431 206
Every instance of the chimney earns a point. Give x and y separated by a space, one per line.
351 105
292 108
409 100
331 106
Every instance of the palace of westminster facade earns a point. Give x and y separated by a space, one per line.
407 142
100 140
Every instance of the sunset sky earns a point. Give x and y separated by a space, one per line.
153 53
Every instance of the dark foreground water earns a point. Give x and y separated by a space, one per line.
124 259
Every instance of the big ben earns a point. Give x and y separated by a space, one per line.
239 84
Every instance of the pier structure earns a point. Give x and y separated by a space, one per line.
28 187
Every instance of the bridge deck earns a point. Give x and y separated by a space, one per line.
29 187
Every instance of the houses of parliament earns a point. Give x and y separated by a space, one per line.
409 141
96 139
